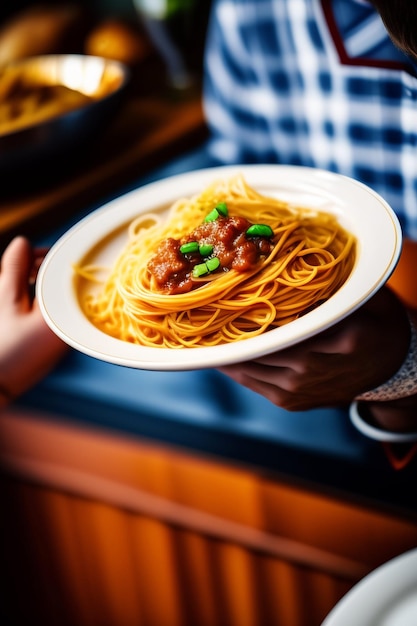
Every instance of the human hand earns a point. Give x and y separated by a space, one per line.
330 369
28 348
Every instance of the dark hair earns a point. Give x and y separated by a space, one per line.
400 19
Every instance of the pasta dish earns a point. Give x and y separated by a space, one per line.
26 101
226 264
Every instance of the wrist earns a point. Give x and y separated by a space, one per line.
398 415
389 412
403 383
388 422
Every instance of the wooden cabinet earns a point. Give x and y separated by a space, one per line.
101 530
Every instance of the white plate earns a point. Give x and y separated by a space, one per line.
358 208
386 597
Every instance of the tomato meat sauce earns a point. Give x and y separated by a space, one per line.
225 243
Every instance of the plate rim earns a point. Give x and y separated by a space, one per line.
387 584
133 355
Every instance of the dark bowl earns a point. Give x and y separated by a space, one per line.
25 143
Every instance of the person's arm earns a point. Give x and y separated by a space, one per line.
388 414
391 410
28 348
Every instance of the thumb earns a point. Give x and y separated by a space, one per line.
15 269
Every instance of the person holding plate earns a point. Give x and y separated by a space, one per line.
325 84
333 85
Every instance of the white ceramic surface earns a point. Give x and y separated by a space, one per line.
386 597
358 208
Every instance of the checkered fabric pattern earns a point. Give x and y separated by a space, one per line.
315 83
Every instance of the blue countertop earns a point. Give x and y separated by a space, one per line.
205 412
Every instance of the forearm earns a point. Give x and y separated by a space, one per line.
390 411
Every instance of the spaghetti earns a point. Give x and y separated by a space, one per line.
310 259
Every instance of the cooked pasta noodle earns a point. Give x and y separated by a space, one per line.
311 258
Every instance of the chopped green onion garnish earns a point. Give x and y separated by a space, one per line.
212 216
205 249
200 270
213 264
222 208
204 268
259 230
191 246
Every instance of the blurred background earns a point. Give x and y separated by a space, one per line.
94 153
98 27
191 504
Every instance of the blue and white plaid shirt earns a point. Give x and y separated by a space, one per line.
315 83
